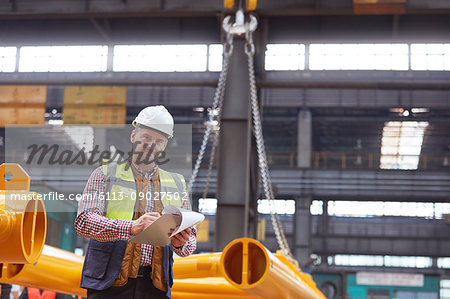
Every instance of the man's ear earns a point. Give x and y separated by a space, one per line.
167 143
133 136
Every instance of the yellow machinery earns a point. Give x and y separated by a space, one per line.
23 220
198 266
248 265
56 269
235 273
245 268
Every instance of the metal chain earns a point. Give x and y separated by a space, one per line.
211 161
262 157
257 130
217 106
215 141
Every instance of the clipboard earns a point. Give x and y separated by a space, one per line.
158 233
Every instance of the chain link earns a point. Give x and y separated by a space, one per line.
262 157
211 162
217 106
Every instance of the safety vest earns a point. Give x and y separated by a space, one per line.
121 190
103 260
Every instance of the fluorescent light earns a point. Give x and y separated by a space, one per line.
55 122
420 110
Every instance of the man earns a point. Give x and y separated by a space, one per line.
114 267
5 291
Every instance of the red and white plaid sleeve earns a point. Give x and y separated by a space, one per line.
90 222
190 246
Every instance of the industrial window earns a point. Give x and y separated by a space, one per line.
431 57
209 206
443 262
215 58
347 208
160 58
7 59
401 144
281 206
445 289
285 57
316 207
358 57
202 57
380 208
441 209
408 261
358 260
383 261
63 59
343 208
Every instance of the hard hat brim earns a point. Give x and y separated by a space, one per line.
135 124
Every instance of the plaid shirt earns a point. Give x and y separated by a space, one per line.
90 222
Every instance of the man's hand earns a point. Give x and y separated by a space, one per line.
181 238
142 222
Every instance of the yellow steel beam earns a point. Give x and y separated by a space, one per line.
57 270
248 265
245 269
197 266
210 287
23 221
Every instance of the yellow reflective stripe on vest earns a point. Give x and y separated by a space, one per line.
121 187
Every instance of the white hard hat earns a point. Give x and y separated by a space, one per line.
156 118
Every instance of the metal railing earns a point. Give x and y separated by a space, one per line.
354 160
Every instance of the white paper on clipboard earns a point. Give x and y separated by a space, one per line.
158 233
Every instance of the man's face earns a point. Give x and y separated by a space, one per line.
148 142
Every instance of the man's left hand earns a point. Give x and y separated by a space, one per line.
181 238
